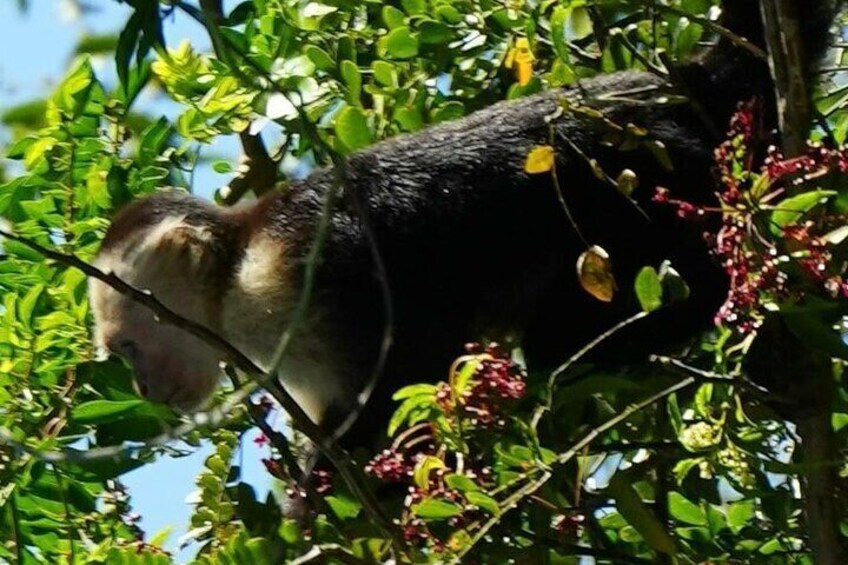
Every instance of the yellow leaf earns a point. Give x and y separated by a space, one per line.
425 466
594 270
520 58
523 54
627 182
539 160
523 72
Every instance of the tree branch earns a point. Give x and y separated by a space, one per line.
769 362
786 60
566 456
337 456
257 172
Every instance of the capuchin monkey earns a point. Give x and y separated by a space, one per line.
473 246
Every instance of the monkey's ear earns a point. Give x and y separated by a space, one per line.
190 245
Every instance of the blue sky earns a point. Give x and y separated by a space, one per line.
35 49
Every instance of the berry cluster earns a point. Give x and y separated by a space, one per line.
322 481
568 525
481 385
390 465
496 379
416 530
757 264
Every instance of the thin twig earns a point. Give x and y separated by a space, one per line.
735 39
340 167
259 174
60 483
540 410
566 456
325 552
277 439
337 456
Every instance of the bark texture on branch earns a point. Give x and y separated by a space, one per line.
778 356
786 61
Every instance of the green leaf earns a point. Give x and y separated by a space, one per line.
127 42
451 111
740 514
29 114
461 483
558 22
96 411
409 118
791 210
414 6
289 531
415 390
425 466
649 289
352 129
96 44
401 43
344 507
839 420
353 80
483 501
411 406
393 17
434 33
320 57
385 73
686 511
815 323
638 515
27 304
159 538
449 14
222 167
433 509
683 467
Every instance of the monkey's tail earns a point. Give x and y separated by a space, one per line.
737 68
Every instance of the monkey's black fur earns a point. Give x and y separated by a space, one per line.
471 243
473 246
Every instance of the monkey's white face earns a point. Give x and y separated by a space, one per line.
170 365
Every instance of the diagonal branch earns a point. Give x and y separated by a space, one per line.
257 173
337 456
209 17
566 456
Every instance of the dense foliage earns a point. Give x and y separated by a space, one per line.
683 458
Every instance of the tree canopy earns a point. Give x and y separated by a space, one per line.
686 459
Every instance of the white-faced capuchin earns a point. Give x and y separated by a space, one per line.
473 246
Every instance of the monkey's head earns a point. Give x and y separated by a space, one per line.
174 246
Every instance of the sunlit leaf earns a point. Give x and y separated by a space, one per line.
352 129
540 160
594 271
649 289
792 209
627 182
686 511
434 509
103 410
401 43
425 466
